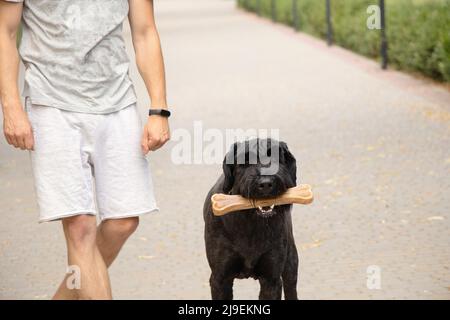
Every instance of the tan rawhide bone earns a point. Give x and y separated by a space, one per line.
223 204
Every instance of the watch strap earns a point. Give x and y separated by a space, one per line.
159 112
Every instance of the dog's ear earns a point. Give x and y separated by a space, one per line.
290 161
228 168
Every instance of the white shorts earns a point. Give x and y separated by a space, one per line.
89 164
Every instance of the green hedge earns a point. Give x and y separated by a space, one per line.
19 36
418 31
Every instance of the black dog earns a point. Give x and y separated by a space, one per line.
256 243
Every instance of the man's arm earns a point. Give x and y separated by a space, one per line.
16 127
149 60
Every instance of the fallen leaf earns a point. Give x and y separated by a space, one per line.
337 193
315 244
146 257
435 218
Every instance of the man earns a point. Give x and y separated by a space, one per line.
81 122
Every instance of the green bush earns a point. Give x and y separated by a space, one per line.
19 36
418 31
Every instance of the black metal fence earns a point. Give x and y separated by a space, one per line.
329 22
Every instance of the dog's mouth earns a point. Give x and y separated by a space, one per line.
265 211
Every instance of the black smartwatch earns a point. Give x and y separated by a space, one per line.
159 112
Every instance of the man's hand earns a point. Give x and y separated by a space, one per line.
17 128
156 133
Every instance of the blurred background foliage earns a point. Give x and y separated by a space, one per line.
418 31
19 36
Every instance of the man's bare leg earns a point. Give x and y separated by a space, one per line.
111 236
80 232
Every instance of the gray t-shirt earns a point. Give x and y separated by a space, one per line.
74 54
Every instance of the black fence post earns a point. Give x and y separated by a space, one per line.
329 25
384 43
295 17
274 10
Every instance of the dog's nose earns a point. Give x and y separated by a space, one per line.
265 185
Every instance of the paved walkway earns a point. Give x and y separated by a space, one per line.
375 145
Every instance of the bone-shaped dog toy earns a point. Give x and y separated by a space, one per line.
223 204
